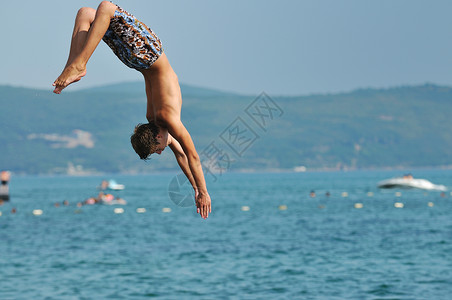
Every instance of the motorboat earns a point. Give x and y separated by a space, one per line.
408 182
113 185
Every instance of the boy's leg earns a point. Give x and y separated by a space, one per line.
76 67
85 16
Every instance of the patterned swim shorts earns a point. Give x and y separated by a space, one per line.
135 44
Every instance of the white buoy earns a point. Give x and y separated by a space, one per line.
398 194
430 204
344 194
118 210
359 205
398 205
141 210
245 208
0 213
370 194
37 212
166 209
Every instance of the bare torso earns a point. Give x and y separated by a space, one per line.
162 89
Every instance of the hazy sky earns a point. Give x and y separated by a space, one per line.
281 47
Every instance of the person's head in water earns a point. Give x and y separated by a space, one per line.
149 138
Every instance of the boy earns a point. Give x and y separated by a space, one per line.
138 47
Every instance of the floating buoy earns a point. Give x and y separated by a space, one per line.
118 210
398 194
358 205
37 212
166 209
0 213
245 208
344 194
370 194
141 210
282 207
430 204
398 205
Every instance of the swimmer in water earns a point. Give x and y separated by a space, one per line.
138 47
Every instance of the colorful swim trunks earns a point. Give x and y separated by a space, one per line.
135 44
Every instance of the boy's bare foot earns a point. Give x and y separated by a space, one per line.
69 75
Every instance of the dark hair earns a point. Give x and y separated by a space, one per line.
144 140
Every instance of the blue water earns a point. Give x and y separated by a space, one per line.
318 248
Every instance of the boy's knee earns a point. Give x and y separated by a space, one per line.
107 7
86 12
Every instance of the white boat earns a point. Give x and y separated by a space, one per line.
113 185
408 182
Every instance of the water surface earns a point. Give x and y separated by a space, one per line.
317 248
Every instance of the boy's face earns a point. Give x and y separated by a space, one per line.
162 139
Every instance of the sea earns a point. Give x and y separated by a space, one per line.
310 235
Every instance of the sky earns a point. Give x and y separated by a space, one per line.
247 46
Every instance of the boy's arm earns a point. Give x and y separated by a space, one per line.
183 162
180 133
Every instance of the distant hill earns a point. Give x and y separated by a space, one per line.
137 88
89 130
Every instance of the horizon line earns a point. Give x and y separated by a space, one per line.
338 92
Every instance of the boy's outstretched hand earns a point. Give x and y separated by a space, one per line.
203 204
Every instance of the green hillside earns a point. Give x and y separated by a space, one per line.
372 128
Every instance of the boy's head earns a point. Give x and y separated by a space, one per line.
148 138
